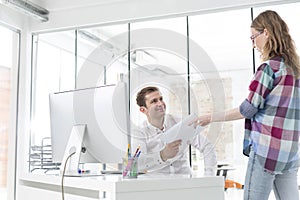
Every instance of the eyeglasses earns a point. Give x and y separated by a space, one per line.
252 37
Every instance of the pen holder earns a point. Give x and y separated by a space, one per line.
130 167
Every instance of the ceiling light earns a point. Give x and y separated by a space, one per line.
28 8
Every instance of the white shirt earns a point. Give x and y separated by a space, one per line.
148 137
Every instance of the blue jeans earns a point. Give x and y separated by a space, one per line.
259 182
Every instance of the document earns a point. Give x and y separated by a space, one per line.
182 131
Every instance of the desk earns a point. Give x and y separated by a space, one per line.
146 187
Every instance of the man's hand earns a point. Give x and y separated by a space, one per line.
171 150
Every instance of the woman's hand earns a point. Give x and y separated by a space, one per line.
201 120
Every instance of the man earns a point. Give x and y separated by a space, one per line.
156 156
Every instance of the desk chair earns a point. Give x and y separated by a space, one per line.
224 168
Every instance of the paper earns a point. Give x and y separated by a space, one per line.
182 131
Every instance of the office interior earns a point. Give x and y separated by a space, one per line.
199 54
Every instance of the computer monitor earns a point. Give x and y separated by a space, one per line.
102 115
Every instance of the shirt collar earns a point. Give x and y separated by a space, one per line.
155 129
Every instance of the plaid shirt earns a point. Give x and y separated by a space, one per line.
272 112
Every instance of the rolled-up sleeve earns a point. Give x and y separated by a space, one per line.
247 109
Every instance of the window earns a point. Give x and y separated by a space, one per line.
9 50
54 71
288 12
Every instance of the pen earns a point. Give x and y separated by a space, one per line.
137 150
138 154
128 151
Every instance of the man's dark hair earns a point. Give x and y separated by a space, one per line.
140 97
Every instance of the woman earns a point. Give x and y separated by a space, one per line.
271 112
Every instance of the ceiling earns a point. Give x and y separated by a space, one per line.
55 5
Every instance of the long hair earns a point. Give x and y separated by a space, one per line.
279 42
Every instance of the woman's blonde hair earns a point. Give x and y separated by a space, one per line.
279 42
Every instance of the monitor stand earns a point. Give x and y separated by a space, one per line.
74 146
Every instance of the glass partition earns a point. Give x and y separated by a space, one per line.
202 63
158 57
102 55
221 69
69 60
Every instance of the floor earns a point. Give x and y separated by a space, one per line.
237 194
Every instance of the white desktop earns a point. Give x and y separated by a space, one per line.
114 187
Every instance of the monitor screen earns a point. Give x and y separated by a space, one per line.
103 111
